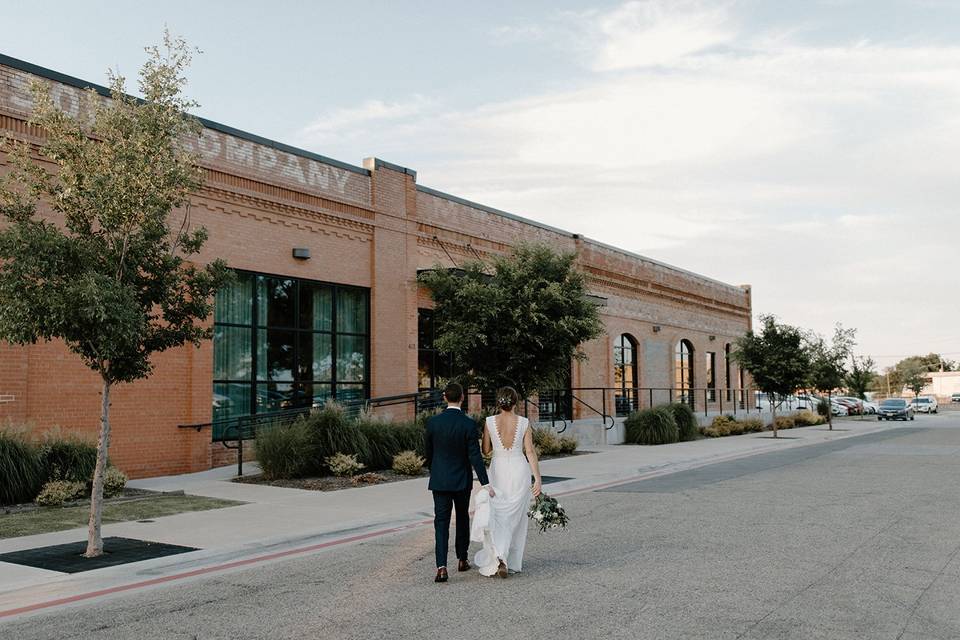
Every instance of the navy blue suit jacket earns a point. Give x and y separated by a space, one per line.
452 447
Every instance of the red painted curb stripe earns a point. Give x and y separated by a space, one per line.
323 545
205 570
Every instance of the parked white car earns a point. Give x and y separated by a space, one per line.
925 404
838 409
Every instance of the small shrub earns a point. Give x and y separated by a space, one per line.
546 441
56 492
369 478
713 432
785 422
332 433
723 421
114 481
68 456
568 445
344 464
21 468
652 426
286 451
823 408
408 463
807 419
752 425
686 422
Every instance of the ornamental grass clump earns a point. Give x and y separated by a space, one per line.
21 469
408 463
332 433
384 441
652 426
285 451
686 422
68 456
546 441
344 465
807 419
752 425
785 422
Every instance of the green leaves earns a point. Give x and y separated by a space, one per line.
776 357
520 326
112 278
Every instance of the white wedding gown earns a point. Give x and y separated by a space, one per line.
500 523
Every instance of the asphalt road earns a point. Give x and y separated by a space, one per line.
852 539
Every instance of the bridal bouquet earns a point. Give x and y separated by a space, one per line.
548 513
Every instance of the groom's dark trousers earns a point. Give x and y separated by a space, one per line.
452 447
443 504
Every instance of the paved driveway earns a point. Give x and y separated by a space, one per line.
847 539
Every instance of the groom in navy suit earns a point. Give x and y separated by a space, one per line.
452 447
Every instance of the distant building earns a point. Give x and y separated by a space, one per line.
942 384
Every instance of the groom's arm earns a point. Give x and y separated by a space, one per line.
428 445
476 458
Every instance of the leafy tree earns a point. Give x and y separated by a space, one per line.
828 362
108 273
861 376
777 359
521 326
895 378
915 379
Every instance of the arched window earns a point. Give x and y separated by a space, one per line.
683 371
727 380
625 374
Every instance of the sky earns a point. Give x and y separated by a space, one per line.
809 149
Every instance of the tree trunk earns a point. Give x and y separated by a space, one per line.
830 409
94 539
773 413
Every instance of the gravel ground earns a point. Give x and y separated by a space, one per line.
854 541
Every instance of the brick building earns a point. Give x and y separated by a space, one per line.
350 320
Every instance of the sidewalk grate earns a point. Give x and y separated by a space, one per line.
68 558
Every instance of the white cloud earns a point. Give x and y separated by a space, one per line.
655 32
822 175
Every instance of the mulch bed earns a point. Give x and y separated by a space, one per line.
333 483
329 483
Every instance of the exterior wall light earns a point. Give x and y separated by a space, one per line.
301 253
712 338
656 328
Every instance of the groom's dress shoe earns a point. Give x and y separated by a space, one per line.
463 565
441 575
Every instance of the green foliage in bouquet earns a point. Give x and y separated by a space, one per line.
547 513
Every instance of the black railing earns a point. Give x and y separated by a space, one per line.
627 400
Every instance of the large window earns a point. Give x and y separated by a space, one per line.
683 371
283 343
711 376
433 368
625 378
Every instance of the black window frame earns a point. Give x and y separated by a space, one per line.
297 383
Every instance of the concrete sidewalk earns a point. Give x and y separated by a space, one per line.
277 522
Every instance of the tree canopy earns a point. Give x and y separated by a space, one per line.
776 357
106 268
520 325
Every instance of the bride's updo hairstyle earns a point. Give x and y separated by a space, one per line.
507 398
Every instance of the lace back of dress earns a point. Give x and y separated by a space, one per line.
503 447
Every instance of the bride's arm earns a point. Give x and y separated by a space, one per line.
487 445
531 452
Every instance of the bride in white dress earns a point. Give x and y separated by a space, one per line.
501 518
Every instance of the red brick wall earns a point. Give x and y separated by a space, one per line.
370 228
